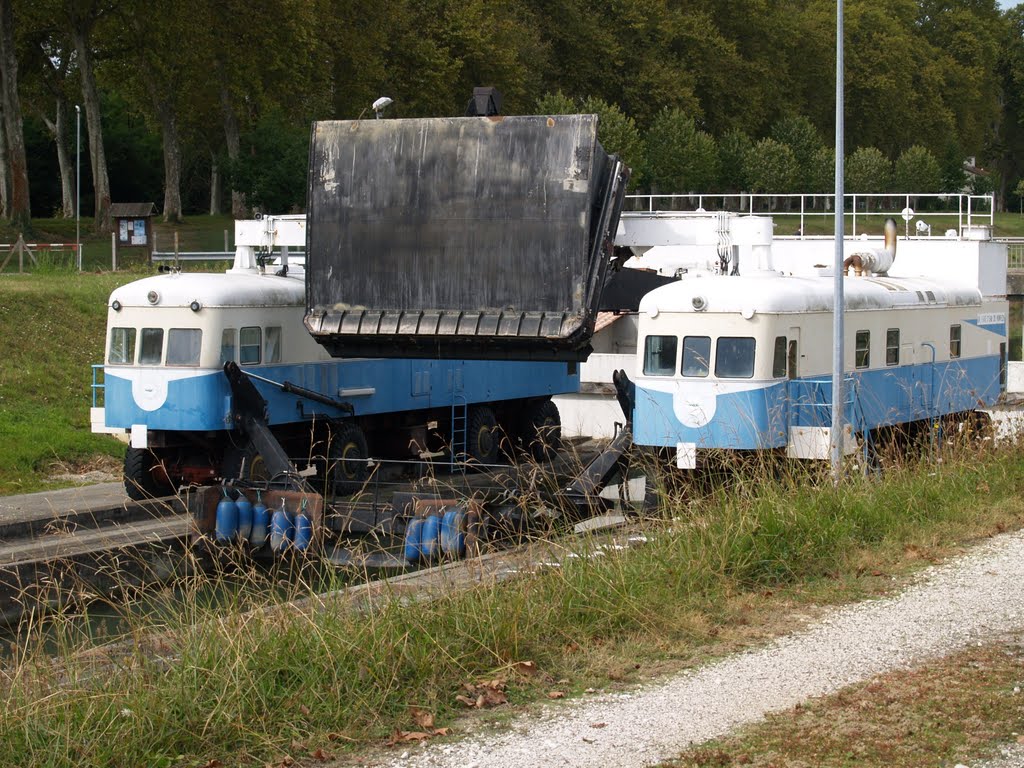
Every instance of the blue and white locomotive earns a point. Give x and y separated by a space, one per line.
742 362
170 335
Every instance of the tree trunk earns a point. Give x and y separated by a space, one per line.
5 186
59 130
172 160
233 142
100 181
20 208
216 189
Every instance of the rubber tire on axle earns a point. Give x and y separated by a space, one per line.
140 483
348 455
482 444
542 430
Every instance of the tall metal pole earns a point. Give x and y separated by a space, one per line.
78 184
838 394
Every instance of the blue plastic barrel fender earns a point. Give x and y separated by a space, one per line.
303 531
244 518
430 543
226 527
260 525
411 550
453 538
280 529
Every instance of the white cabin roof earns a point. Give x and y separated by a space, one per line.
212 290
790 294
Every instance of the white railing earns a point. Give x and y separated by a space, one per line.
969 210
1015 252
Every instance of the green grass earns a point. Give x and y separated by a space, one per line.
52 331
246 688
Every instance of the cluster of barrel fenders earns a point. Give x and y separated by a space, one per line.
438 535
242 521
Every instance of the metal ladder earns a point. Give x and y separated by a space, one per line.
459 429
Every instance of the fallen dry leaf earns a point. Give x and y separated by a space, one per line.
320 754
421 717
442 731
556 694
398 736
213 764
598 725
525 668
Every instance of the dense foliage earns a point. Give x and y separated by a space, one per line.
201 102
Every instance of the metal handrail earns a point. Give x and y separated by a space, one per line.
970 210
97 385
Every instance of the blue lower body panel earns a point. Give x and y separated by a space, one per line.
200 400
757 416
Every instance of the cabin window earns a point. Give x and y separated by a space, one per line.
183 345
696 356
660 355
954 341
779 359
862 349
734 357
122 346
227 345
892 346
272 345
249 345
151 350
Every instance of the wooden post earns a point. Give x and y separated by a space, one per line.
225 241
113 251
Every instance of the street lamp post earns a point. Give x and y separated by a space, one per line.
838 393
78 184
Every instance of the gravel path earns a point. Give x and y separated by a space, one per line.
971 599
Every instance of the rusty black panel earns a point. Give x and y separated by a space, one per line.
463 237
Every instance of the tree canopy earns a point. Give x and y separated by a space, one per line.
203 104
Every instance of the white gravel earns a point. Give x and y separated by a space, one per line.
970 600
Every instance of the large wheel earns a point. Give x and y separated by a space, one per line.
482 435
347 453
542 430
244 463
143 477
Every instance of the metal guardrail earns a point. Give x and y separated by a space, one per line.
1015 252
969 210
208 255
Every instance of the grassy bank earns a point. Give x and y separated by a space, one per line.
52 331
714 572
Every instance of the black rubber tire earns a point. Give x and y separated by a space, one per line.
482 444
140 482
542 430
348 453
